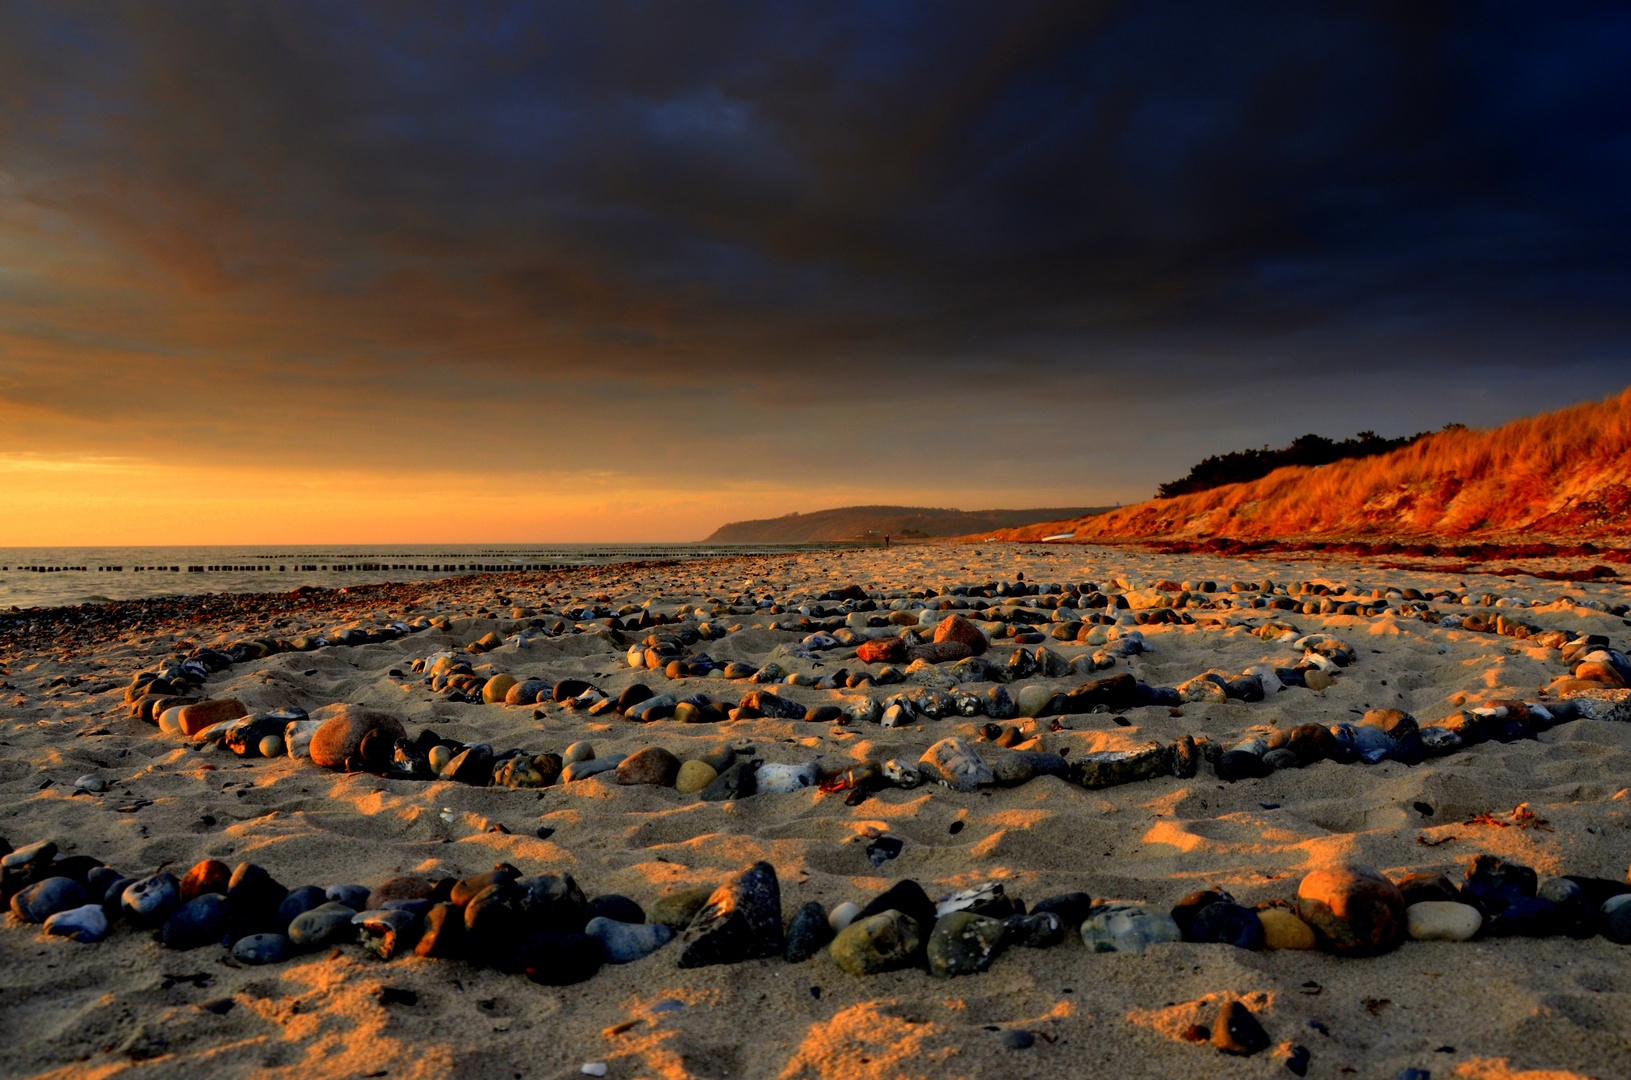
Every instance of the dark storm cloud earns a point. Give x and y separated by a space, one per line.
924 198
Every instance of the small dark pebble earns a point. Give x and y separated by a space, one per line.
1321 1028
956 827
1269 805
1016 1039
1414 1074
883 849
545 832
395 995
220 1006
1445 1050
1422 808
815 992
1122 721
1297 1061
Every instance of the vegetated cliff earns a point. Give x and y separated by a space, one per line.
1564 475
875 522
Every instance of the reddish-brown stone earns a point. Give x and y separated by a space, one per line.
209 876
956 628
202 714
341 735
889 650
1354 910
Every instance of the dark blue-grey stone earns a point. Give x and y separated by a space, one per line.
560 959
616 908
742 921
354 897
625 942
203 920
327 924
299 901
808 933
44 899
1226 924
1071 908
261 949
1037 930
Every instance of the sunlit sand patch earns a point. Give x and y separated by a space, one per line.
1501 1069
865 1042
1175 1021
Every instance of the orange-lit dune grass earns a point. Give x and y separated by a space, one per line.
1562 475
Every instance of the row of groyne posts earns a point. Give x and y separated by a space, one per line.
560 561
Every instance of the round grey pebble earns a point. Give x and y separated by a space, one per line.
1017 1039
261 949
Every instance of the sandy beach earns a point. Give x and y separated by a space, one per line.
1494 1008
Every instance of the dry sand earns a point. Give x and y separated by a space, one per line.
1509 1008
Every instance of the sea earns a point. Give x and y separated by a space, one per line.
65 576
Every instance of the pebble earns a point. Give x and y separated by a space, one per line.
617 908
776 779
386 932
43 899
693 776
582 770
843 915
442 933
1442 920
327 924
1072 908
905 896
808 933
624 942
439 755
86 924
963 943
1227 924
676 909
741 921
148 902
355 897
1615 916
561 959
261 949
1236 1030
1353 910
208 876
91 782
579 751
738 781
1129 928
1283 930
952 762
1016 1039
341 735
1038 930
877 943
652 765
200 921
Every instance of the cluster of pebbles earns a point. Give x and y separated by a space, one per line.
546 927
696 692
944 654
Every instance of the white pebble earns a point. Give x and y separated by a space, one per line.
593 1068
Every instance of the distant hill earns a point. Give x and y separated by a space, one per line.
874 522
1564 475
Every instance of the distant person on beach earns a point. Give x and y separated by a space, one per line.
885 539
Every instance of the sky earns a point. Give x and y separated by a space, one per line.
412 272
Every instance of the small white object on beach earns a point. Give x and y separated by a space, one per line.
593 1068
